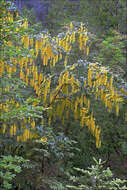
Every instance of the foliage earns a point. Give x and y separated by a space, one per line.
100 15
46 89
50 155
65 11
29 14
9 167
112 50
96 178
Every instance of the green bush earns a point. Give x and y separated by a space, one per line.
112 50
96 178
9 167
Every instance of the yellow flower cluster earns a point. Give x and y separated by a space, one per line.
67 85
103 87
8 16
83 37
5 67
44 139
43 45
89 121
25 136
12 128
81 111
79 107
26 133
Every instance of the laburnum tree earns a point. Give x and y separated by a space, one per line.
40 86
36 75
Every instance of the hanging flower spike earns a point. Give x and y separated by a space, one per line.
71 26
65 61
87 50
25 24
31 42
111 82
117 109
33 124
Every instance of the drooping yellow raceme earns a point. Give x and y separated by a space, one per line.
102 88
13 130
25 25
